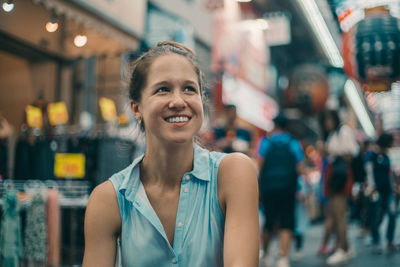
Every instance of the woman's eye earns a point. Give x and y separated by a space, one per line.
162 90
190 89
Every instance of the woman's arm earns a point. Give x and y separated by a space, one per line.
102 227
238 196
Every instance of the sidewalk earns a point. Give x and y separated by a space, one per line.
364 256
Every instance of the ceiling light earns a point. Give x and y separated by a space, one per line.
80 40
359 108
318 24
8 6
52 24
51 27
243 1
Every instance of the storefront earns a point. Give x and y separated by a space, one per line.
62 87
39 59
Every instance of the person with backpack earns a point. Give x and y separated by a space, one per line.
359 199
380 192
340 148
280 165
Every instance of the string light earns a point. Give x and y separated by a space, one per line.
80 40
52 24
51 27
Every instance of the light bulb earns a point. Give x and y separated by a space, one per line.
8 6
80 40
51 27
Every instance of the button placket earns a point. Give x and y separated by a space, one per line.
180 217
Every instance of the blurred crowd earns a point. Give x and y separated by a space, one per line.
341 179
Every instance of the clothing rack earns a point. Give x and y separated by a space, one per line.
71 193
73 196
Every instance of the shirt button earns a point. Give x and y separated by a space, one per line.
186 190
187 177
180 224
174 260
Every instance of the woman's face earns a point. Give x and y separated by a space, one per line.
171 105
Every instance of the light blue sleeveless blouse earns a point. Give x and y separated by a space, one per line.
199 227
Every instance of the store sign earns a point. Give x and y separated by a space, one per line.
57 113
69 165
278 31
34 116
108 109
163 26
127 14
251 104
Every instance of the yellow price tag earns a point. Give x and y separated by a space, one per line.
69 165
108 110
34 116
57 113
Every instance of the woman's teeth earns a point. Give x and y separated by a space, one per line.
177 119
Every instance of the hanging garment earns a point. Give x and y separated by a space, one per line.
23 167
53 229
35 230
10 232
43 159
3 158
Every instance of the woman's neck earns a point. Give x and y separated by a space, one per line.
166 165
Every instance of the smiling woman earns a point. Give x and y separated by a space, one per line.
177 203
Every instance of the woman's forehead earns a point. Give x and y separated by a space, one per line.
171 66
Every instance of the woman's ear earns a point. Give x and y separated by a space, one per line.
136 110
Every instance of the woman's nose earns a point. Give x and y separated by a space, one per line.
177 101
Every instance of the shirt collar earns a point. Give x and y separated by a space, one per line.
201 163
131 181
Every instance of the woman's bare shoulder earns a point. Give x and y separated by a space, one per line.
103 205
235 162
103 194
237 172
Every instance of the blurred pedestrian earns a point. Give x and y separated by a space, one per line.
280 165
166 207
341 146
380 192
229 137
302 221
359 199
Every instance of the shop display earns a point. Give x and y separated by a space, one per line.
32 231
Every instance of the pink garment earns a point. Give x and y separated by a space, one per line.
53 229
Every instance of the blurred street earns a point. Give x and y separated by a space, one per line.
364 256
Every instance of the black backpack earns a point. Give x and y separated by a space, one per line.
278 174
339 175
381 169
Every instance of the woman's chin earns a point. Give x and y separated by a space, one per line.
180 139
